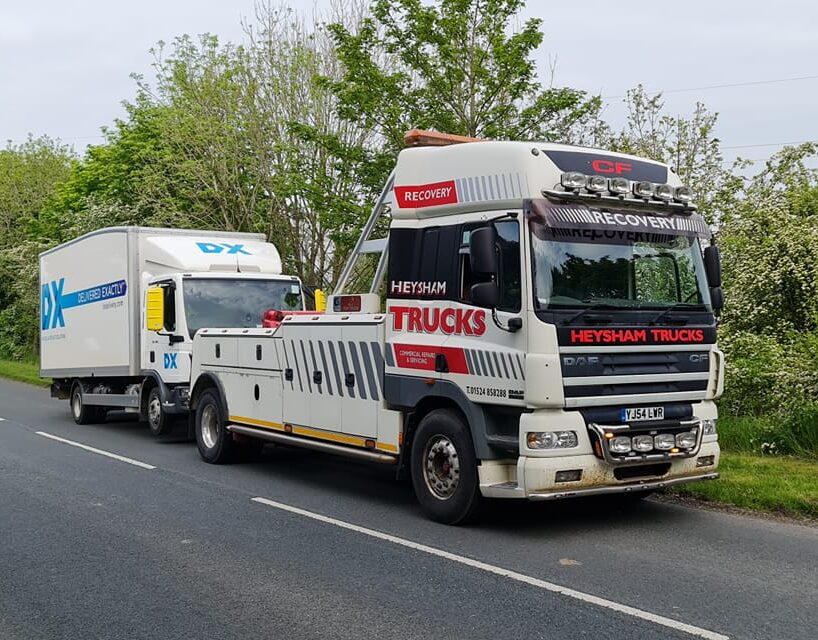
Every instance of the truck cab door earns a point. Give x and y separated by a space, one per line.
167 343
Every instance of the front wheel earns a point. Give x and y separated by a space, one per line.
444 468
159 422
214 442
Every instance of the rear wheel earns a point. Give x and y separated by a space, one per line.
159 422
82 413
444 468
214 442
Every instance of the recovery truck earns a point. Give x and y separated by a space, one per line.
120 306
549 330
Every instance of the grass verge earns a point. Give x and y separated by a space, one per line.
779 484
23 372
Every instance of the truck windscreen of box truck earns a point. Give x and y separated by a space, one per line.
120 307
548 331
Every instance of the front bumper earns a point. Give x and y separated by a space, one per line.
535 478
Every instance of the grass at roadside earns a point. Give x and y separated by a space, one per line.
23 372
776 484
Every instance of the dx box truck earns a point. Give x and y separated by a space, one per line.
541 323
120 307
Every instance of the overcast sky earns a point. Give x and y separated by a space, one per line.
64 66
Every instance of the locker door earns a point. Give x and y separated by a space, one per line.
362 378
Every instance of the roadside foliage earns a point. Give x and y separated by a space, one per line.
292 132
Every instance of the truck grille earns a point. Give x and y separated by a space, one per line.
602 374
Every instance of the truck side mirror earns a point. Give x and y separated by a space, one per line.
155 309
712 265
485 294
716 299
483 250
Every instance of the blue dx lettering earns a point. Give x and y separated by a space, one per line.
212 247
170 360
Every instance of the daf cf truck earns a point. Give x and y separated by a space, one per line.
540 324
120 307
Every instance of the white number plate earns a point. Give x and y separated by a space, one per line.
643 414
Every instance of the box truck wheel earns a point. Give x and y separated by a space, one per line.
159 422
444 468
213 440
82 413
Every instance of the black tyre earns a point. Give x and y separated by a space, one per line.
82 413
215 443
159 422
444 468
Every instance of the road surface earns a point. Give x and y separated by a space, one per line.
130 537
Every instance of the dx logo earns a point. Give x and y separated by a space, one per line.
222 247
51 305
170 361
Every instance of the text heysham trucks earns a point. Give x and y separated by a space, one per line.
120 306
548 331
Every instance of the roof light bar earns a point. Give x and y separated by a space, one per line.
421 138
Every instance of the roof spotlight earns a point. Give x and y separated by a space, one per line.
573 180
644 189
683 194
619 186
664 192
597 184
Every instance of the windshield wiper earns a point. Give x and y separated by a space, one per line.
675 307
592 307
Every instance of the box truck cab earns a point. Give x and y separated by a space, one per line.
120 306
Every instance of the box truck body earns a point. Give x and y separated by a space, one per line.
92 312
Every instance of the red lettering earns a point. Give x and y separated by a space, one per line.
479 323
397 317
447 327
431 315
607 166
413 322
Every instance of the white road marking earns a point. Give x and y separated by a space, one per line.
500 571
136 463
2 419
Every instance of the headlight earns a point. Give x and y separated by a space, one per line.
620 444
709 427
664 192
664 441
642 443
552 439
683 194
686 440
644 189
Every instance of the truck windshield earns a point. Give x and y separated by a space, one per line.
235 302
646 271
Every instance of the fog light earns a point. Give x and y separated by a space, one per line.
705 461
573 180
644 189
642 443
664 192
573 475
619 186
686 440
709 427
597 183
552 439
620 444
664 441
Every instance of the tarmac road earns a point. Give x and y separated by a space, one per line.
157 544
